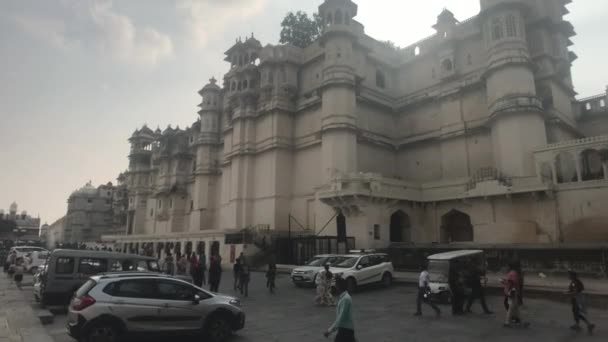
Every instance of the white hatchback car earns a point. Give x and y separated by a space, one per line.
364 268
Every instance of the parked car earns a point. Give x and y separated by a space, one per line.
34 260
362 268
440 266
23 251
307 274
111 306
68 269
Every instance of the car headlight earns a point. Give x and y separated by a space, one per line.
235 302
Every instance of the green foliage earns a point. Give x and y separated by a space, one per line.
300 30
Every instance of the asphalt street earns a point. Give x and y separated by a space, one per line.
382 315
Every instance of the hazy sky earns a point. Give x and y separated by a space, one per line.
78 76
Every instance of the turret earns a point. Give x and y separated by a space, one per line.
516 113
210 112
339 139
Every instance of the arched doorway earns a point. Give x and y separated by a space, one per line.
592 168
456 227
215 248
400 227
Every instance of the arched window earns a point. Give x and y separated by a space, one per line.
245 84
511 26
338 17
602 103
283 75
592 165
416 50
233 87
329 19
447 65
380 79
240 86
497 30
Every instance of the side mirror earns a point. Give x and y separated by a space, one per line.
359 267
197 299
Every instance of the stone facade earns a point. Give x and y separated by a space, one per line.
457 138
92 212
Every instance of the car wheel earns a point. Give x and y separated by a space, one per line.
387 280
103 332
218 328
351 285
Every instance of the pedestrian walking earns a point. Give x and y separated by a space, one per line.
424 293
182 264
271 275
321 283
169 266
457 288
19 268
195 270
511 291
202 264
474 280
344 324
215 272
328 298
236 272
579 307
244 278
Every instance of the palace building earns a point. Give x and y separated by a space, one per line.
473 135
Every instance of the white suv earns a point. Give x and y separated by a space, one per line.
307 274
364 268
110 306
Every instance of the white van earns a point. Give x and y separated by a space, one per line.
440 265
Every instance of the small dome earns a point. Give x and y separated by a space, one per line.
211 86
146 130
87 189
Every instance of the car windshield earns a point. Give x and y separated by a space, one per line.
439 270
347 262
316 261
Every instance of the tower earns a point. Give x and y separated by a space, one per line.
516 113
206 159
338 125
142 142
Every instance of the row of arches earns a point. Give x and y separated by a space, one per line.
455 227
243 85
589 164
244 59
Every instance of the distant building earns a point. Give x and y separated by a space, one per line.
90 214
44 231
54 234
27 227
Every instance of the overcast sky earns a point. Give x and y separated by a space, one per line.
78 76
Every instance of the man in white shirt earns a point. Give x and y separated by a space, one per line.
423 292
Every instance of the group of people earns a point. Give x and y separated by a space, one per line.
242 275
15 267
196 266
471 282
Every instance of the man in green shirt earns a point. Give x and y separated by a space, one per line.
344 315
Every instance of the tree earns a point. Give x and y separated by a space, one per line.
300 30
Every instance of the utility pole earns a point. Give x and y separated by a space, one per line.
289 244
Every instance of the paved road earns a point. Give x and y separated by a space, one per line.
384 315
